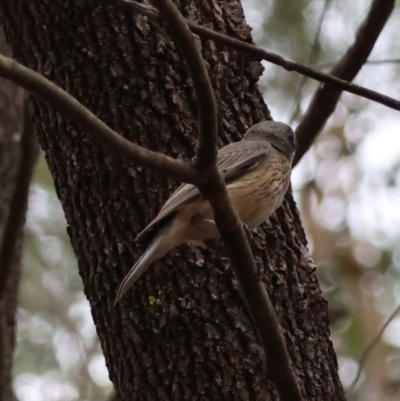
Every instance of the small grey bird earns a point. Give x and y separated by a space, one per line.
257 175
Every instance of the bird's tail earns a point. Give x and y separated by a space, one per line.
153 252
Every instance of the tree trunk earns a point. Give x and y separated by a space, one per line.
15 172
183 331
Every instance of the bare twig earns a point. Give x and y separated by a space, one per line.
227 219
367 63
326 97
372 345
274 58
383 61
36 83
29 151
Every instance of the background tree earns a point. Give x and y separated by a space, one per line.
287 84
18 152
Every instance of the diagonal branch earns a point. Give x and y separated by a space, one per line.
29 151
36 83
273 58
326 97
227 219
372 345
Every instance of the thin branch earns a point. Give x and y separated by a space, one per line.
326 97
367 63
228 222
262 312
57 97
29 151
208 118
384 61
372 345
273 58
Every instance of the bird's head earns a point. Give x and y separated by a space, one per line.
279 135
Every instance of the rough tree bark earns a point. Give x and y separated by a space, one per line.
183 332
13 198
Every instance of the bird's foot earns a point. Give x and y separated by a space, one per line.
260 266
258 261
248 233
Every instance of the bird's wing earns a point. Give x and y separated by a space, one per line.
234 160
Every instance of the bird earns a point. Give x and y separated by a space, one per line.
257 175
